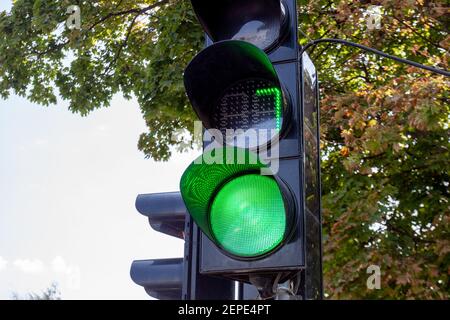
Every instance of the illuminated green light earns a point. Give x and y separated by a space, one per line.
248 216
276 92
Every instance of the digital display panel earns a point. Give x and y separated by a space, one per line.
250 104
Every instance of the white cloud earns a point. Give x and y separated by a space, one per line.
30 266
72 273
3 263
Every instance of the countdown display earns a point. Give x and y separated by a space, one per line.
250 104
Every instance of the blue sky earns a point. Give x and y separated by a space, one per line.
67 191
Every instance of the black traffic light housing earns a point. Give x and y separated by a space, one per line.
252 53
161 278
276 59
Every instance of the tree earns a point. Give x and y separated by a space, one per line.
51 293
385 143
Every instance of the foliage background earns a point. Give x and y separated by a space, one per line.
384 132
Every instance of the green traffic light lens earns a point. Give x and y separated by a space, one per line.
248 216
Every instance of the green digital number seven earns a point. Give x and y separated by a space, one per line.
276 93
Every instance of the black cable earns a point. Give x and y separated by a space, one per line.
380 53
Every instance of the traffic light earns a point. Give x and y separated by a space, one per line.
161 278
255 191
174 279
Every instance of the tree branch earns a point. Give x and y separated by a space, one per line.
417 33
138 11
53 48
123 45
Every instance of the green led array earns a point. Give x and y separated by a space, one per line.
276 92
248 216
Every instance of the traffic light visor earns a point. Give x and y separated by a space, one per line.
260 22
243 212
233 86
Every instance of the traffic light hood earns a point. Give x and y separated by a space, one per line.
243 212
220 66
201 180
260 22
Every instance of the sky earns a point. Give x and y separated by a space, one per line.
68 185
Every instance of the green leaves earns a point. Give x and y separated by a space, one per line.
385 149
